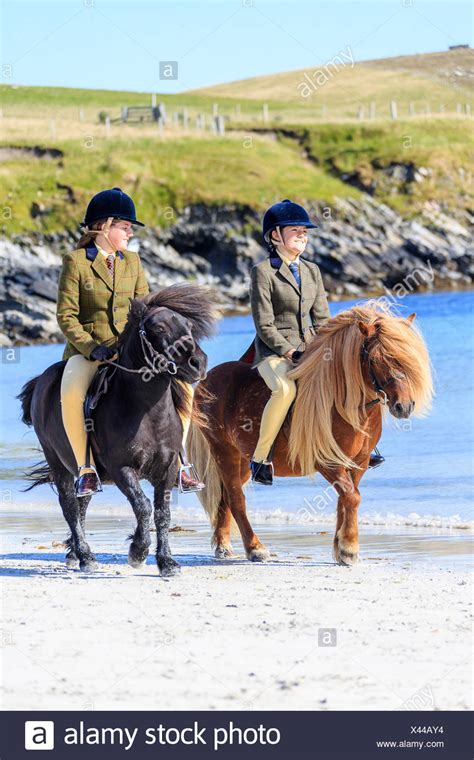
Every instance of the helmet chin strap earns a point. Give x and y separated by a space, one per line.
105 232
280 245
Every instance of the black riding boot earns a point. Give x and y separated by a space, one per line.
87 484
262 472
376 458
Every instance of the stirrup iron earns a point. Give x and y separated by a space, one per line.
189 469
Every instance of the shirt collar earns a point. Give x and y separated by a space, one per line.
92 250
287 260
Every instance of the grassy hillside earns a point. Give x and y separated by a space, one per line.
309 150
442 147
453 66
240 168
159 175
420 83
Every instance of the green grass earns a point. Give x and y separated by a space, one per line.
24 102
167 172
165 175
442 146
160 176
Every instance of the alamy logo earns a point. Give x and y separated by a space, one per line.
39 734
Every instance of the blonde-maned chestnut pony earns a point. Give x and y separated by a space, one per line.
362 363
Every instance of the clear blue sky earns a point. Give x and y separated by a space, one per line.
118 44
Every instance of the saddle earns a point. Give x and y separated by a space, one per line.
99 386
249 355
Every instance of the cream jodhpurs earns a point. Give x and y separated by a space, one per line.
274 371
77 377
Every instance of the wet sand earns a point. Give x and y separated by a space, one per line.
297 632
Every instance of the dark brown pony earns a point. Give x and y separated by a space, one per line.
137 427
363 361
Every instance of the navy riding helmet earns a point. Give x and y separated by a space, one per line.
108 203
285 214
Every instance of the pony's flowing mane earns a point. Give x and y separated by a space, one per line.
194 302
329 378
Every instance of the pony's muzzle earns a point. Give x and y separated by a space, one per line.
199 366
402 411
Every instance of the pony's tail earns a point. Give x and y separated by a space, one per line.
25 396
199 453
39 475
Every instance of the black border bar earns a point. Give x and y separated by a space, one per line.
332 735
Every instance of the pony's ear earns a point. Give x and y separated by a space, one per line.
411 317
367 330
137 308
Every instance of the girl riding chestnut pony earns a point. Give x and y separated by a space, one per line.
289 305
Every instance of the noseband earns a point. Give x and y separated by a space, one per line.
152 356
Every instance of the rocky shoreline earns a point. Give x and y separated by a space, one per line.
362 247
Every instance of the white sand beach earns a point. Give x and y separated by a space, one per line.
231 634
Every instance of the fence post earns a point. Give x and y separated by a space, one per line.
265 112
360 112
162 108
124 113
81 114
393 109
153 101
185 118
219 125
215 109
107 126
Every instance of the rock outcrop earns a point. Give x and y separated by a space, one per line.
362 248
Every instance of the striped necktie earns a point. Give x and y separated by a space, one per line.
295 271
110 261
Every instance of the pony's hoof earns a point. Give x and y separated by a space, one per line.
345 557
348 558
89 565
137 559
168 568
224 552
258 555
135 562
72 563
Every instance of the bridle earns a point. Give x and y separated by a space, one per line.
156 363
378 386
152 356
